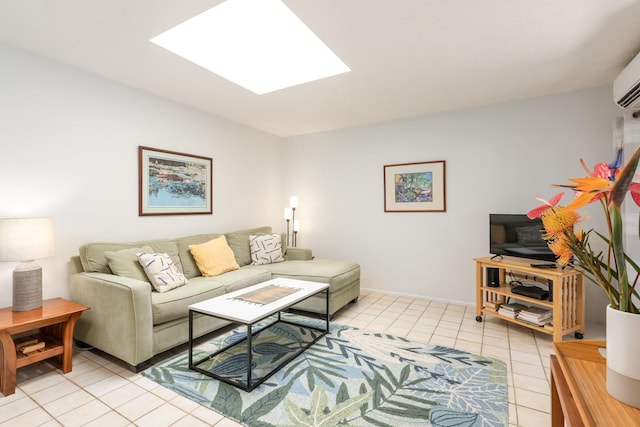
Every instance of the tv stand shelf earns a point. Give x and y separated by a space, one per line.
566 287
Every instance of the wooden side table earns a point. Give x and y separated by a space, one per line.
55 320
579 391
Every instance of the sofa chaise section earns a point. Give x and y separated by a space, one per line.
342 276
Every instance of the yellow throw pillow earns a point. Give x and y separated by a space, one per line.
214 257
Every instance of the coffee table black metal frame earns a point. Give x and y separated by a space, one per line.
250 385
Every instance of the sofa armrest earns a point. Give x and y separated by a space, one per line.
299 254
75 265
120 321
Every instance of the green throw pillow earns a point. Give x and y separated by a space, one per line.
125 263
238 241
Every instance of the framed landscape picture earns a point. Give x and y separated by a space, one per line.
171 183
415 187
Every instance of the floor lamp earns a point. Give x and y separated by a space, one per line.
25 240
296 228
290 218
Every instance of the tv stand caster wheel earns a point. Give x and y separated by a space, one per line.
478 318
578 335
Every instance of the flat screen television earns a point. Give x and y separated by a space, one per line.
518 236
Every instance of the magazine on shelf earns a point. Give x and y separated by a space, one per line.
537 322
536 315
533 318
493 304
511 310
513 307
536 311
507 313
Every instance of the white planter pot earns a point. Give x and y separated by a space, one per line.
623 361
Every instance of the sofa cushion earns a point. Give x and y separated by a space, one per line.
168 306
93 259
172 305
239 243
265 249
125 263
214 257
339 274
242 278
161 271
189 266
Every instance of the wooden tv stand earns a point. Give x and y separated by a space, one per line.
567 289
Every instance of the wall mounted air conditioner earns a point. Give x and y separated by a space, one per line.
626 87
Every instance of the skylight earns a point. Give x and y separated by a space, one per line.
257 44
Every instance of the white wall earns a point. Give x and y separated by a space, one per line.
498 158
69 151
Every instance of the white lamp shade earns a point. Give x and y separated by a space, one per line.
288 213
293 202
23 239
296 225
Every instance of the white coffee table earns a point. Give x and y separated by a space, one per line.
249 306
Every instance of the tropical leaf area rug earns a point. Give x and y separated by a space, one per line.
349 377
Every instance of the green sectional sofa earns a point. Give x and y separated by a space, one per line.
132 322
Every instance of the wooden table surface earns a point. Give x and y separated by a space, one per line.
579 378
17 321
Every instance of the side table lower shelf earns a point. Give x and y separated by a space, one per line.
51 349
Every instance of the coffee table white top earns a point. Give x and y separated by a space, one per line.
242 306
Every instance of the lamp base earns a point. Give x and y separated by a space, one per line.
27 286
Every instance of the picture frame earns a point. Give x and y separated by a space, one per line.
415 187
173 183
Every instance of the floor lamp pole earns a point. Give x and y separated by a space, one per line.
288 220
293 221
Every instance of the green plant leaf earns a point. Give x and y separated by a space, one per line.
266 403
365 407
228 398
343 393
404 409
319 416
445 417
404 375
619 255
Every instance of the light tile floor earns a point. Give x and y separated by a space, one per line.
100 391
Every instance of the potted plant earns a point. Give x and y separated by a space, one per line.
612 269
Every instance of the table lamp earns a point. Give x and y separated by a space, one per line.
25 240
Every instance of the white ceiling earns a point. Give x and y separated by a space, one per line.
408 57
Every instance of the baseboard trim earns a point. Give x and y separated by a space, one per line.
406 295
